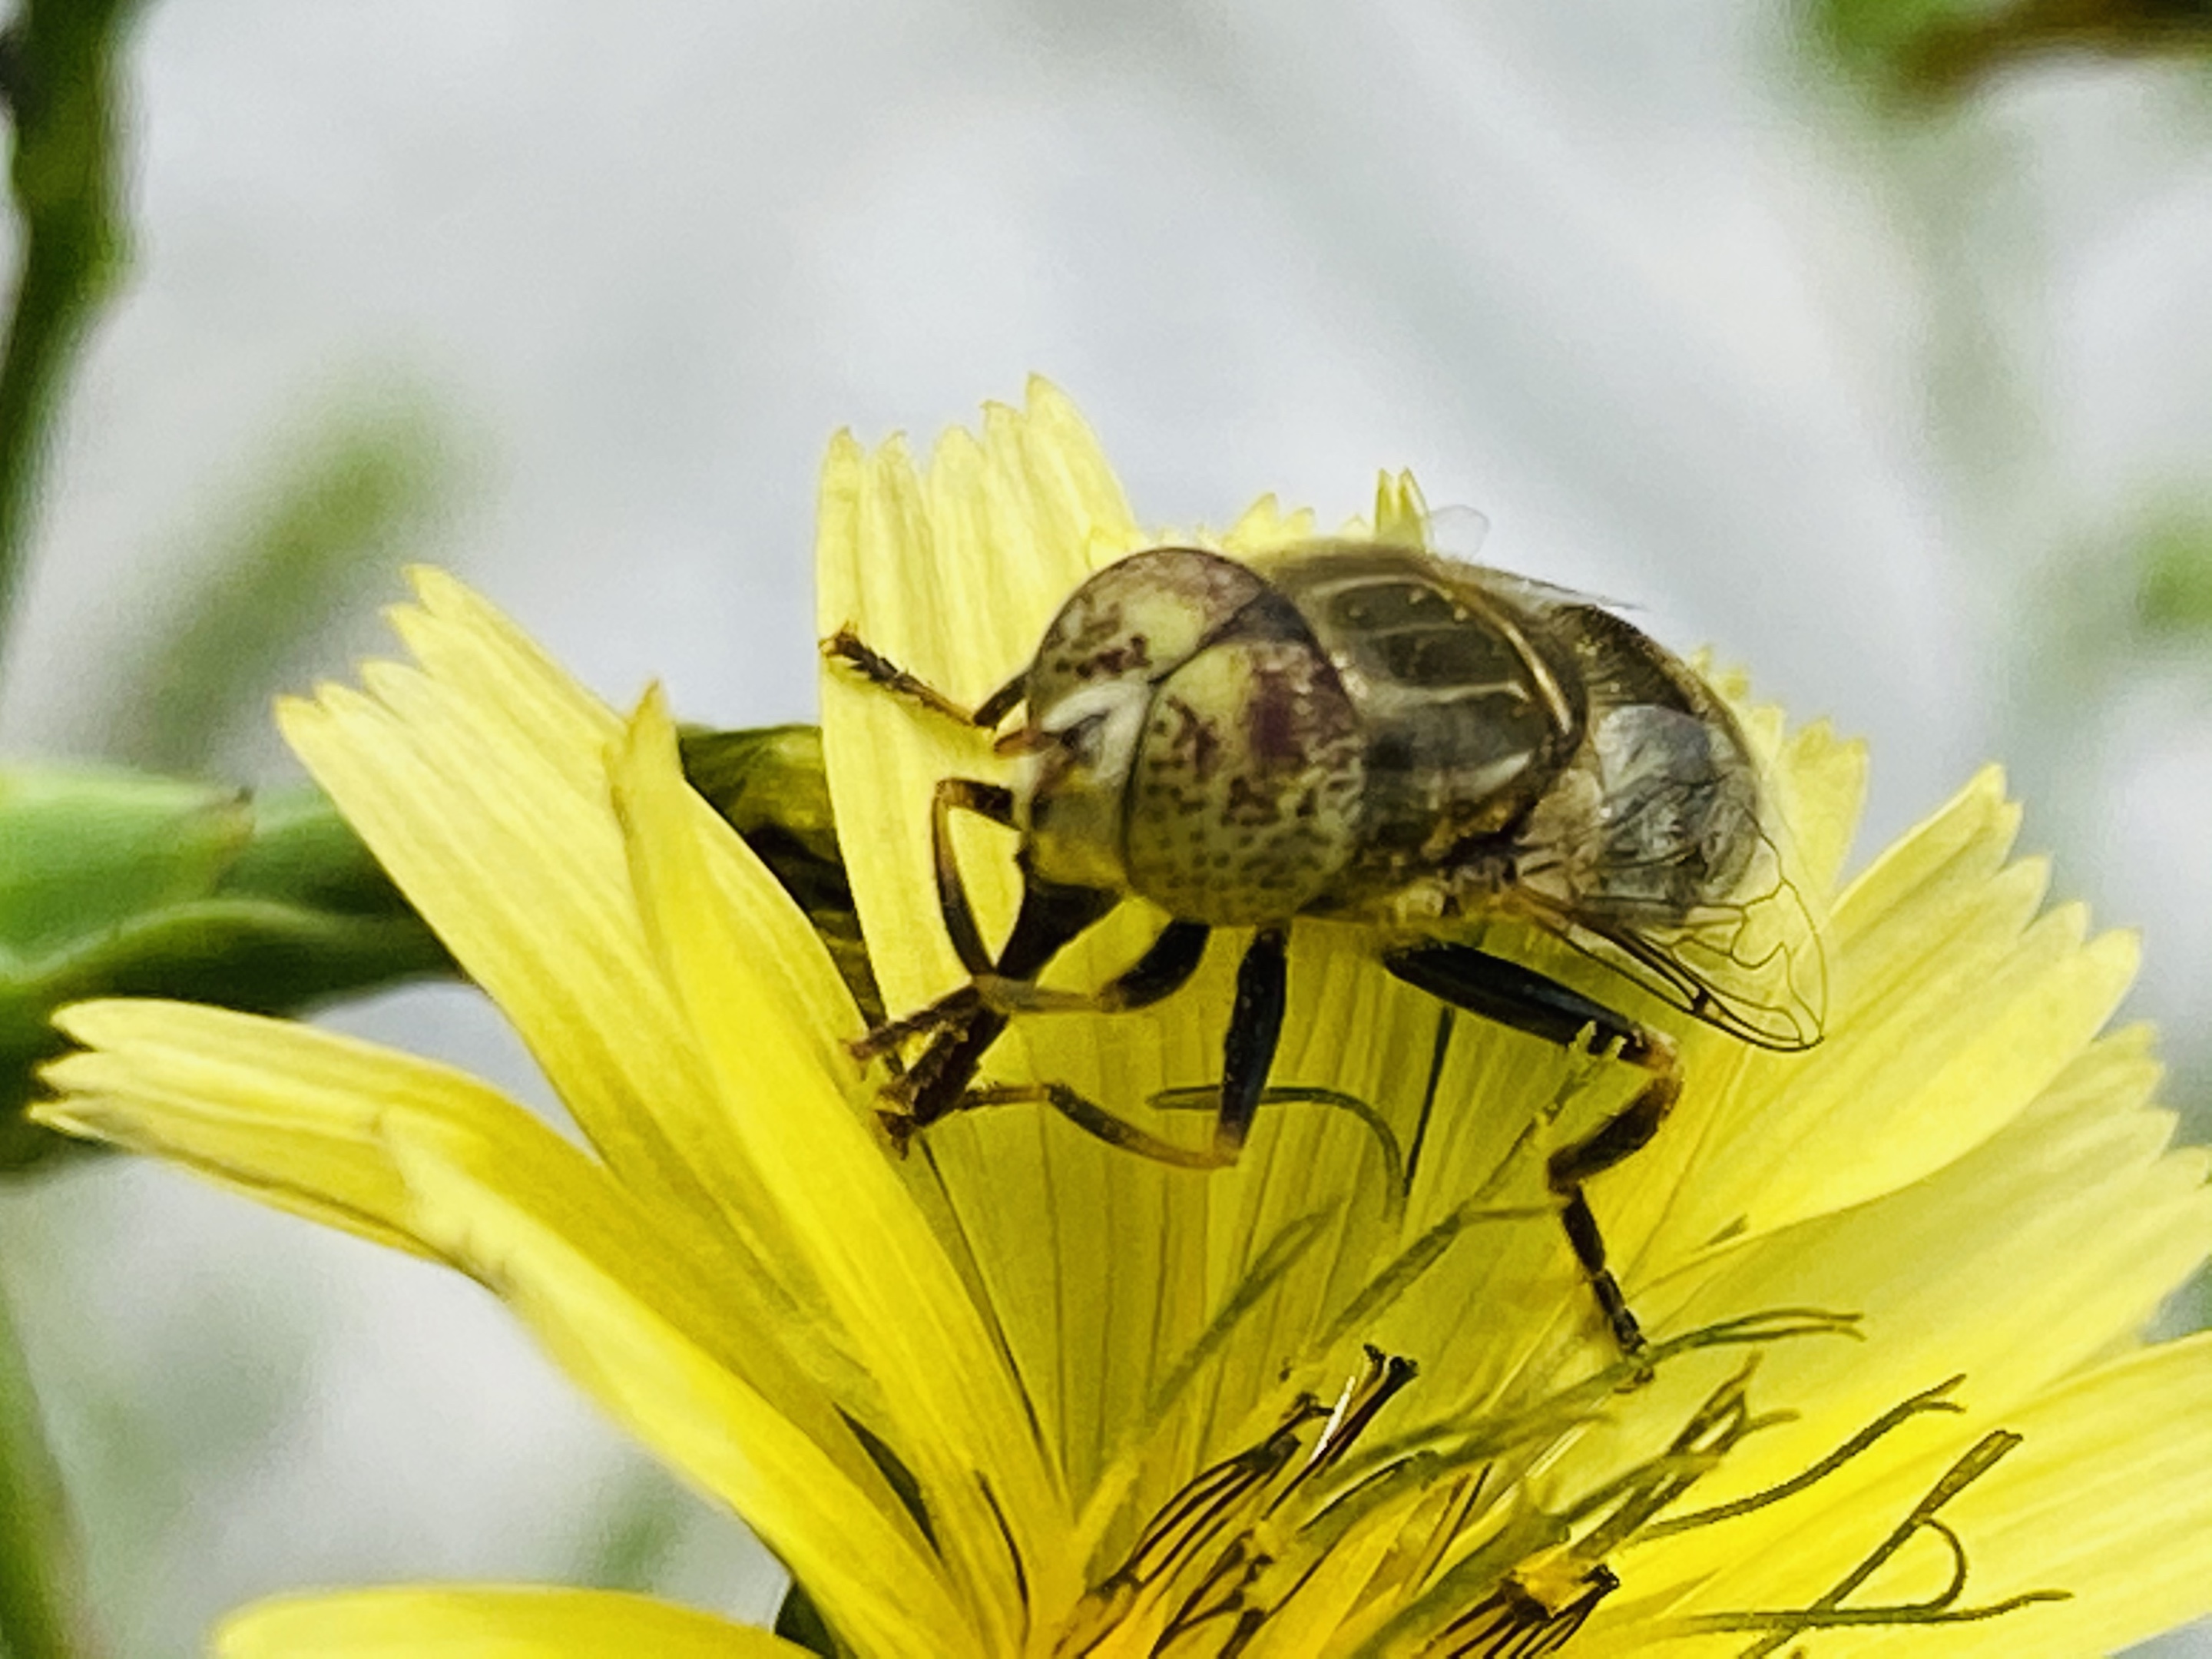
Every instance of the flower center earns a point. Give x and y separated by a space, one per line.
1237 1540
1314 1542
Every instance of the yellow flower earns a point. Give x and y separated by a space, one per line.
1021 1394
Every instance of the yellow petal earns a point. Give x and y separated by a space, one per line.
486 1622
342 1131
288 1114
866 1567
478 783
1821 781
954 1411
2017 1267
954 575
2102 1498
2106 1498
1953 1004
1402 515
1265 524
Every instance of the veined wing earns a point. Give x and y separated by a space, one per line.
1752 966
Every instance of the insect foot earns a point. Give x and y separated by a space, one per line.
956 1009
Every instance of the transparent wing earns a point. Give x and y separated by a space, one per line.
1529 593
1753 967
1455 533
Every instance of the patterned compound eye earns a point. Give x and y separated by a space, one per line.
1245 801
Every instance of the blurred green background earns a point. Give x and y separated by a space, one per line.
1867 340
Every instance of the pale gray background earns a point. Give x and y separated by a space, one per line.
1862 404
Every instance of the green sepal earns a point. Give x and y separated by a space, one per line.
117 885
83 851
770 785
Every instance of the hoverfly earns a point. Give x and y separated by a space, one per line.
1377 733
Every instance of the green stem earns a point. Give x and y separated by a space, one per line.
44 1610
58 76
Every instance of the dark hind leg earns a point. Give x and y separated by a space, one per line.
937 1084
1256 1027
1049 924
963 1024
1525 1000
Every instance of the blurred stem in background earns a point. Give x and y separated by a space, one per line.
44 1612
1943 49
57 75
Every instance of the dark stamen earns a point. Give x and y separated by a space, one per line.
1828 1612
1515 1622
1714 1430
1386 1374
1203 1549
1930 1399
1207 1499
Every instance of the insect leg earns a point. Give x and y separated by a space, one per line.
1165 967
986 800
1050 917
937 1084
1095 1120
1255 1026
847 648
1207 1098
1170 960
1525 1000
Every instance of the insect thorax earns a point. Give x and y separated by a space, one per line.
1524 748
1468 706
